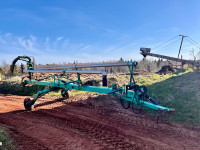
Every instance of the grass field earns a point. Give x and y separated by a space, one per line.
182 93
6 143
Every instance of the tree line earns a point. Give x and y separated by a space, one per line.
144 64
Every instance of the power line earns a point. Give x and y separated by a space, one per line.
170 44
194 41
198 46
165 42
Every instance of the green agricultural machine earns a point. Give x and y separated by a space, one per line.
131 95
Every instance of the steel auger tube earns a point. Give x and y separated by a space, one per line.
68 71
88 66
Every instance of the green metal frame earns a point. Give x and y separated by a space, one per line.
30 64
127 95
131 93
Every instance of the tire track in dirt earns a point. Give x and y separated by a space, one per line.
56 124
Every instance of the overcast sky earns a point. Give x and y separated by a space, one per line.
95 30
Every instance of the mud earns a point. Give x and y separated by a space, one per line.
89 123
166 70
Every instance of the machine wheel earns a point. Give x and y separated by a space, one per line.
28 104
65 94
125 104
137 108
23 82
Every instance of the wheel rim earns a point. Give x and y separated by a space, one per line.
28 104
125 104
65 94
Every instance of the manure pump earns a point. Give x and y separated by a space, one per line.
131 95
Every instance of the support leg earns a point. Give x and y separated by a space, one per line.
29 104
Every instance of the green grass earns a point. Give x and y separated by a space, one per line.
154 78
6 142
180 91
58 93
13 86
74 93
53 94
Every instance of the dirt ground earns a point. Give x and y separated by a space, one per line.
166 70
85 122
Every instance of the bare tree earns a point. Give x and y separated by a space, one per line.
195 54
5 67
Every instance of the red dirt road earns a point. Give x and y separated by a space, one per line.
88 124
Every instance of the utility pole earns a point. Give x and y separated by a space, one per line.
181 44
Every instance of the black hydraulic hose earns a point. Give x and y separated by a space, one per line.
15 60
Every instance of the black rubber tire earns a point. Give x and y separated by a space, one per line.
125 104
28 104
65 94
137 108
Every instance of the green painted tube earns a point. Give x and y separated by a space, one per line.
103 90
42 92
129 96
149 105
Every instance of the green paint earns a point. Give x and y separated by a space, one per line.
130 95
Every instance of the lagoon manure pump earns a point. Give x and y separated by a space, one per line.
131 95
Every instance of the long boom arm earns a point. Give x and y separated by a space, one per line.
146 52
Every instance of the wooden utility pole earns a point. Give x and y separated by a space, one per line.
181 44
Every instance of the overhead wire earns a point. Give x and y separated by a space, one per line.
193 42
190 40
169 44
165 42
187 45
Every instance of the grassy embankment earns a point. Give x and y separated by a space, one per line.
182 93
179 90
